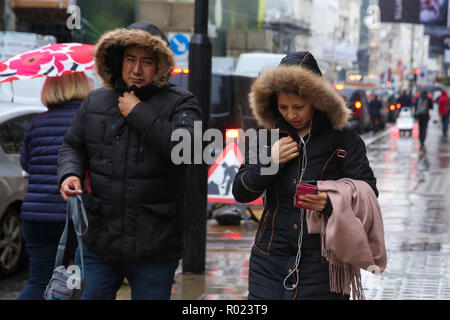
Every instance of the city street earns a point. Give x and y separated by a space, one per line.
125 99
414 200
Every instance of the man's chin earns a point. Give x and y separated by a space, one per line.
137 84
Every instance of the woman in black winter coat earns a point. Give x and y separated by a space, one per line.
44 210
315 144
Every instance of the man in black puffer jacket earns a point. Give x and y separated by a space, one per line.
286 261
120 139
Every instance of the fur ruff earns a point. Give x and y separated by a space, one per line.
124 37
303 82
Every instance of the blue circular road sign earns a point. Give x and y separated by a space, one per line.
179 44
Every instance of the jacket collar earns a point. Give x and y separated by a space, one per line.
143 93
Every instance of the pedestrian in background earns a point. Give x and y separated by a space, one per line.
43 210
405 99
422 113
122 135
315 144
444 111
375 113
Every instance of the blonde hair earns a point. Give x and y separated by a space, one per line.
58 90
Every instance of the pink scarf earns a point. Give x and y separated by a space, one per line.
353 236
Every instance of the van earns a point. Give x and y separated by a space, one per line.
252 64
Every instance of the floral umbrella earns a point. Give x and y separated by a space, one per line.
51 60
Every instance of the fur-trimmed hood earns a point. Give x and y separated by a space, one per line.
306 84
110 48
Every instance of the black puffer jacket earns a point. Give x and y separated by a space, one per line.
333 150
135 209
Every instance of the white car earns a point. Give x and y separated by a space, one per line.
14 119
405 120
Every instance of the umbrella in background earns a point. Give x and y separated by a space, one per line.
51 60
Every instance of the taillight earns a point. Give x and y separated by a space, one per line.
430 95
399 106
232 133
358 105
179 71
392 107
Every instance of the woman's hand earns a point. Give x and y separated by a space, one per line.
316 202
284 150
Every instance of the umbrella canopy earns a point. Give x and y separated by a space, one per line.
51 60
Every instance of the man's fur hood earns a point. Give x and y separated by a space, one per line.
303 82
109 54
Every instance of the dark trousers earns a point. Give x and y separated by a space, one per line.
148 280
41 240
445 119
423 125
375 123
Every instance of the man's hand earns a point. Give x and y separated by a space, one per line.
284 150
316 202
71 186
127 103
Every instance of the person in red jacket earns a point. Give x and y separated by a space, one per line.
444 111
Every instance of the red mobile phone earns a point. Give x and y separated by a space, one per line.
302 189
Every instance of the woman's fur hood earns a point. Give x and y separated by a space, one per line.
298 80
112 44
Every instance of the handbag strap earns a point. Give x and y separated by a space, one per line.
74 208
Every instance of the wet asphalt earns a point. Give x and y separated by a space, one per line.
414 198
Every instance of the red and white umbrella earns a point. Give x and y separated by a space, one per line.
51 60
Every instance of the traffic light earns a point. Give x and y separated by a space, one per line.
416 73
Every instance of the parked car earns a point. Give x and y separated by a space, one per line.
356 99
14 119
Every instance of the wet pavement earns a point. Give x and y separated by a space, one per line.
414 189
414 198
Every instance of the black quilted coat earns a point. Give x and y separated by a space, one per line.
135 209
334 151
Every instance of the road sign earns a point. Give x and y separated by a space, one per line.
179 43
221 175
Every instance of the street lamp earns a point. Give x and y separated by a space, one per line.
200 52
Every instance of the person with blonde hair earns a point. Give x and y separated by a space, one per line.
43 210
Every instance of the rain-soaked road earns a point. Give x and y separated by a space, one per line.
414 189
414 198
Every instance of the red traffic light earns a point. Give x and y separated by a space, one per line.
416 72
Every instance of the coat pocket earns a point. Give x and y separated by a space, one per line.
156 229
160 209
